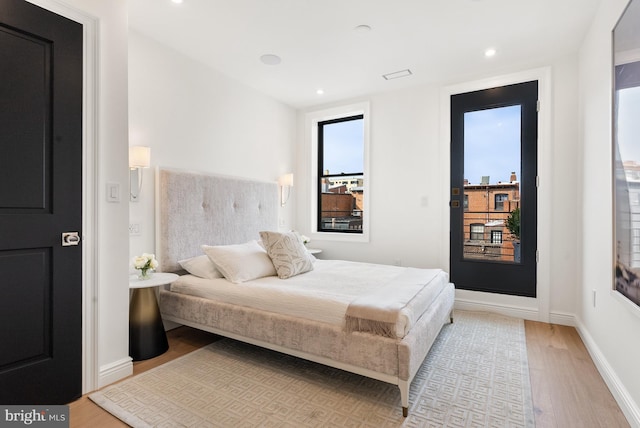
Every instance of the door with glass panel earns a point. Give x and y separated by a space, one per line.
493 189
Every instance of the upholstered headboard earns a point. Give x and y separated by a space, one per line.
193 209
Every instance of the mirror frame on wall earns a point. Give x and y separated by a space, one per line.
626 153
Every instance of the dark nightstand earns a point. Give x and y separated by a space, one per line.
147 338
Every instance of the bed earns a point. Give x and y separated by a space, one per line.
196 209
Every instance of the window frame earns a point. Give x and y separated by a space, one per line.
500 207
312 120
321 175
472 233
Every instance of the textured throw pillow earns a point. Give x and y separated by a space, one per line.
201 266
242 262
288 254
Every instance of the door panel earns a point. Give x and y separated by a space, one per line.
25 72
40 198
29 272
493 177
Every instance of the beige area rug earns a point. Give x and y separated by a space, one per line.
476 375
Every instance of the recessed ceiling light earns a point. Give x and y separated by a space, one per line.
362 29
490 52
270 59
320 92
397 74
177 1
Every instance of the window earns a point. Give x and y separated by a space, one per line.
341 174
476 232
500 200
338 168
466 202
496 237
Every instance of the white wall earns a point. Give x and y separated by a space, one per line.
610 328
565 182
197 119
405 172
410 186
113 299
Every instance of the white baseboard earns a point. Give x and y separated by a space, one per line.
115 371
514 311
628 406
508 310
562 318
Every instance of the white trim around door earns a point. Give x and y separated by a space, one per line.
89 188
537 308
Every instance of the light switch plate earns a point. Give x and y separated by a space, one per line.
113 192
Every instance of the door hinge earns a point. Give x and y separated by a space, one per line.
537 181
537 256
537 105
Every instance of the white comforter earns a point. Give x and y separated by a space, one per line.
322 294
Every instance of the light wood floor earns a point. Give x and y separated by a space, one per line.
567 389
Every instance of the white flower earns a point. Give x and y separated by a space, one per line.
305 239
145 261
139 262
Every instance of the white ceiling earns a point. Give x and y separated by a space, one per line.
440 41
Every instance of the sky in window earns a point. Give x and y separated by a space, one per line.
344 147
492 144
628 124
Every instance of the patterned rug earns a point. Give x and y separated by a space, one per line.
476 375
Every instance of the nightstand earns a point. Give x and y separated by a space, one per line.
147 338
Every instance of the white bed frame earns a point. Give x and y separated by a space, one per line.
194 209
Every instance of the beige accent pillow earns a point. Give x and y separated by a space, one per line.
288 254
201 266
241 262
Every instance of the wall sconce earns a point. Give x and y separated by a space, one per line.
286 183
139 157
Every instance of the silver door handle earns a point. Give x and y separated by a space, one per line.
70 238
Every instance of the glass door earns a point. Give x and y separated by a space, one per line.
493 193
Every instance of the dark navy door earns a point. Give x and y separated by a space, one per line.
40 200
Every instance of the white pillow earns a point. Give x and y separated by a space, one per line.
242 262
288 254
201 266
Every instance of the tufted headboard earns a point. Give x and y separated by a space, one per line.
193 209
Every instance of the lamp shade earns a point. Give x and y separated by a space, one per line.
139 157
286 180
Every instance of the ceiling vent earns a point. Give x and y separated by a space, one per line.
397 74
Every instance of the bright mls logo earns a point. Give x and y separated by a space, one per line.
38 416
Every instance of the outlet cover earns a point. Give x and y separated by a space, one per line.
134 229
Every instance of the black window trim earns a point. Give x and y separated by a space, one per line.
321 175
